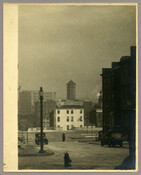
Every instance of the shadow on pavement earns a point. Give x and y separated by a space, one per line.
127 164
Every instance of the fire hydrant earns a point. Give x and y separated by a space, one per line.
67 160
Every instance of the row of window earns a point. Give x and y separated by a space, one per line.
68 118
46 119
69 127
69 111
45 123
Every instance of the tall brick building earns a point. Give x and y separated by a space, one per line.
119 92
119 99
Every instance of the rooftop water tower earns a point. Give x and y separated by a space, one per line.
71 90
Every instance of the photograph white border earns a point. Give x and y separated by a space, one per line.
10 86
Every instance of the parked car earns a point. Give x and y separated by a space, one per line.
38 139
112 138
20 142
100 134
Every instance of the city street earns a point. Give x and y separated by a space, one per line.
83 155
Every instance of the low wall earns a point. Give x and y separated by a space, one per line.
56 136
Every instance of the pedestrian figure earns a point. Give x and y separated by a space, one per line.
63 137
67 160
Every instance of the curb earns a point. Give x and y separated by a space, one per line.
37 154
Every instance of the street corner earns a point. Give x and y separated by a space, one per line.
33 150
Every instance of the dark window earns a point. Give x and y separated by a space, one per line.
72 118
58 112
80 118
67 111
58 119
80 126
81 111
67 127
71 111
67 118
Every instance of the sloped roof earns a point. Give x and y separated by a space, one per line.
70 107
123 58
71 82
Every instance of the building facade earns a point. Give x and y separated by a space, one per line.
25 110
25 121
29 108
25 103
27 100
47 96
48 108
99 110
67 117
98 117
119 100
95 115
119 94
88 107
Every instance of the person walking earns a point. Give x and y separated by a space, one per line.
63 137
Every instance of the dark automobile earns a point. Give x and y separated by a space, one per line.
100 134
20 142
38 139
112 138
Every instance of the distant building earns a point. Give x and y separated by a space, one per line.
27 107
69 117
47 96
88 106
48 108
92 117
95 115
99 99
28 98
99 110
25 121
98 117
25 110
25 103
71 90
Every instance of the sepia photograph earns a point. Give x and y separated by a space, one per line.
76 89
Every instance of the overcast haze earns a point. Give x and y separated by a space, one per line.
60 43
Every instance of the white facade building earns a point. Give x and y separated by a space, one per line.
69 118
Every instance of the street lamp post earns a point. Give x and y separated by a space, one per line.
41 120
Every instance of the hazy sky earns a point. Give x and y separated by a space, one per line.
60 43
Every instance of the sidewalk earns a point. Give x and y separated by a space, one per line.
33 150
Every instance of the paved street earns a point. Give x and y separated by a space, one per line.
83 155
